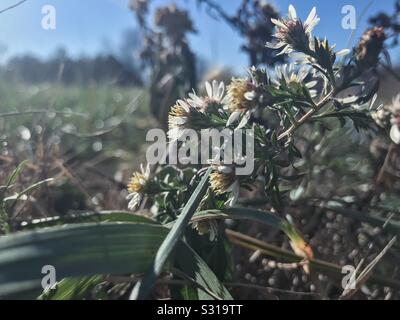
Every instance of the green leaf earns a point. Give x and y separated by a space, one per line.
193 266
15 174
76 250
86 217
144 287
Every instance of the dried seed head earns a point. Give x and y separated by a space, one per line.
175 22
370 47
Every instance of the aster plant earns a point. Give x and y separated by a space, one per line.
319 85
183 218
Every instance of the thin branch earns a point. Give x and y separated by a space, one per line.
366 273
307 116
13 6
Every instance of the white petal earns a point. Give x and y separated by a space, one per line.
285 50
278 23
312 25
147 172
343 52
313 93
244 121
233 118
135 202
221 90
209 89
184 105
225 169
395 134
251 95
311 84
373 100
292 12
195 100
311 16
274 45
214 88
348 100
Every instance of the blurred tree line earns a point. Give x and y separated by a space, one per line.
63 69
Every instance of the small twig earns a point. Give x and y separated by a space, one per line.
306 117
367 272
13 6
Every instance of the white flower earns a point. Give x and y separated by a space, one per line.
292 34
223 180
185 115
215 94
137 186
215 91
289 75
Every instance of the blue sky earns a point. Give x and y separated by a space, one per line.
84 27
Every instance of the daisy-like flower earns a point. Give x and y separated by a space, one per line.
137 187
214 99
288 75
185 114
292 34
241 98
223 181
